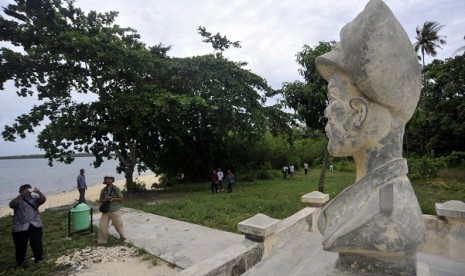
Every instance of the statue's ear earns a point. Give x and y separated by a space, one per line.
360 105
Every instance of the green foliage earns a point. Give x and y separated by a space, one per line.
344 165
193 103
437 127
219 43
166 180
135 186
425 167
276 198
226 114
311 149
280 198
278 150
455 159
62 52
308 99
265 172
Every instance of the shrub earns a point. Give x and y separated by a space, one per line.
135 187
264 174
245 177
425 167
345 166
455 159
165 180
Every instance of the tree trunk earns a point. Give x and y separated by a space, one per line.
128 173
321 182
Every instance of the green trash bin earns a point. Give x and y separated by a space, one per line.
79 217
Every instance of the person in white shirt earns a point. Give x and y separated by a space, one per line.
220 178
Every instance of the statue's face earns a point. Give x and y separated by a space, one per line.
343 136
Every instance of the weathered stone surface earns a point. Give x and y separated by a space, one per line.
374 83
259 225
315 199
451 208
234 260
445 236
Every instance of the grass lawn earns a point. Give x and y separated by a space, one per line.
277 198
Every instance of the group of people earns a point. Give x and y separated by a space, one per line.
288 170
217 177
27 226
291 170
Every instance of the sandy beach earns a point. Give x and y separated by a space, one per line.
92 194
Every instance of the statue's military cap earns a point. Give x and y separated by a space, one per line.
378 55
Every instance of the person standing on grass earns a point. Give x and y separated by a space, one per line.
284 172
306 168
291 170
220 179
113 195
27 224
214 184
81 186
231 180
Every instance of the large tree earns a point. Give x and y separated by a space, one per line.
309 98
222 102
437 127
428 39
61 52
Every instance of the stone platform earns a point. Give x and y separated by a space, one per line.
295 247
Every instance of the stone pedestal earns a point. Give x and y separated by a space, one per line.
451 209
261 228
315 199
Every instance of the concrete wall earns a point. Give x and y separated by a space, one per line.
291 227
444 237
233 261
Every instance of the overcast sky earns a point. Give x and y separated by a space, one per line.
271 32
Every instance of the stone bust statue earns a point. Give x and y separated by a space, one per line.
374 84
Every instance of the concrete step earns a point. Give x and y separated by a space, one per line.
303 255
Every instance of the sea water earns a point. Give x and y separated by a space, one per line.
51 180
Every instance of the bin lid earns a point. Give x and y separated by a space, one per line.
80 207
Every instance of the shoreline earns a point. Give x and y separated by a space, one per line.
92 194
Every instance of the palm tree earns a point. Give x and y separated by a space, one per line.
428 39
461 49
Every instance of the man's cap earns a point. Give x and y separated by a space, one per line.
24 187
377 53
328 62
